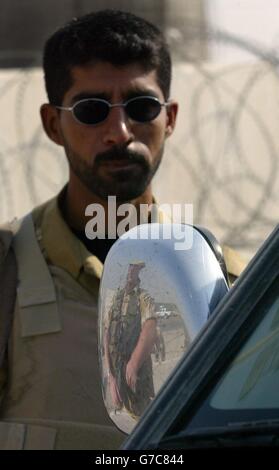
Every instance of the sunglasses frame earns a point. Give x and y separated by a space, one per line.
110 106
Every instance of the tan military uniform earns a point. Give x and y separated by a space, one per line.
128 313
235 263
53 397
54 390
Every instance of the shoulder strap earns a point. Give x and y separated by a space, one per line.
8 283
36 292
24 274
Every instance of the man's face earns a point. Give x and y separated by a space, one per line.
117 156
132 278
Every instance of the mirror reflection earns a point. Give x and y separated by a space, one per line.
142 339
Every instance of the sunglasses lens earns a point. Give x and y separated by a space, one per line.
140 109
143 109
91 112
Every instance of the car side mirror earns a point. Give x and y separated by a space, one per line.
160 284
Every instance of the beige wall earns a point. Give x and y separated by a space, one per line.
31 168
26 24
223 156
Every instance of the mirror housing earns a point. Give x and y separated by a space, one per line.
160 284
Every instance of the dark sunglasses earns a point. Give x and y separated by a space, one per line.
93 111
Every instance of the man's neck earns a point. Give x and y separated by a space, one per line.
78 198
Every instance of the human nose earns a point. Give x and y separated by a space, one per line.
117 127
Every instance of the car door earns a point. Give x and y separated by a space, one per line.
224 392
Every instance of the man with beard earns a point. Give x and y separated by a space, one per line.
107 77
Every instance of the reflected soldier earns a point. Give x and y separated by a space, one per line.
129 340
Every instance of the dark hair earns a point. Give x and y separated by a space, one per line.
113 36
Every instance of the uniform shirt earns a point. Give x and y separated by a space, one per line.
37 389
128 313
54 375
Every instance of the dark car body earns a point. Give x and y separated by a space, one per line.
225 390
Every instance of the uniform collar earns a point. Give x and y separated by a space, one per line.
62 248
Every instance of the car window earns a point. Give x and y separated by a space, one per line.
252 380
248 389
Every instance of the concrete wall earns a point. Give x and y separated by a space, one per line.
223 156
26 24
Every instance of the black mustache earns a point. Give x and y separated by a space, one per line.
119 153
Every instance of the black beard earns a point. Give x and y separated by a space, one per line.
125 185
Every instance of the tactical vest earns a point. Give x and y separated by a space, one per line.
124 331
53 398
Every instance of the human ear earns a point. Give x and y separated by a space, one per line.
51 123
172 110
